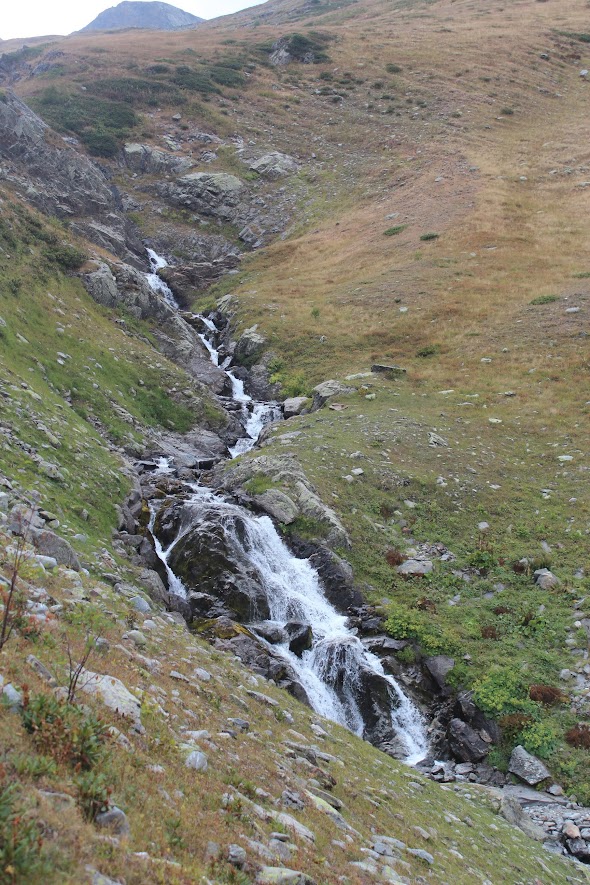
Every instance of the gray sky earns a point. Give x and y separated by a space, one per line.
35 18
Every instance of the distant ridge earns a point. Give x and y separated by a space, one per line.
151 15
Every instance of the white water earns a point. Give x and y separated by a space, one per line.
331 671
294 593
155 282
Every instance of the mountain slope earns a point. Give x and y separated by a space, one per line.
151 15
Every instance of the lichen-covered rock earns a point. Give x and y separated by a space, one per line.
527 767
274 165
112 693
328 390
145 159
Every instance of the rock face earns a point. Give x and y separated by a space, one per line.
250 345
465 742
123 286
215 194
136 14
527 767
59 181
219 581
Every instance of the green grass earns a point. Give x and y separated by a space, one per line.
545 299
393 231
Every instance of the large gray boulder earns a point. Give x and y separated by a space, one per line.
328 390
144 159
49 544
274 165
527 767
208 193
295 405
278 505
250 345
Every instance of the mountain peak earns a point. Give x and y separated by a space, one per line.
152 15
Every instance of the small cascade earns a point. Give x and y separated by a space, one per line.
157 283
336 671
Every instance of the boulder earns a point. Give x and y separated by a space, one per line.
154 586
415 568
250 345
49 544
527 767
274 165
112 693
465 743
328 390
114 820
439 666
145 159
388 371
300 637
295 405
208 193
282 876
278 505
545 579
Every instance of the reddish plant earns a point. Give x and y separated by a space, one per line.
394 557
489 632
578 736
426 605
546 694
501 610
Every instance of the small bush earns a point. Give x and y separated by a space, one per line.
21 856
429 236
513 724
392 231
489 632
546 695
66 256
394 557
34 767
508 112
94 793
545 299
64 731
579 736
101 144
539 738
393 69
429 350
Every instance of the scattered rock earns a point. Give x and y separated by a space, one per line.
197 761
114 820
415 567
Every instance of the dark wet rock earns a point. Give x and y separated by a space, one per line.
270 631
187 280
335 573
300 637
465 743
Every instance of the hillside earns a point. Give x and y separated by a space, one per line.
150 15
370 217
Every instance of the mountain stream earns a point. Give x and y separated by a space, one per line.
337 670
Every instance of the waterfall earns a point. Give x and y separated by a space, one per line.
155 282
331 670
334 670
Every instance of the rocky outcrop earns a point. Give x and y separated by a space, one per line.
123 286
59 181
216 194
187 280
286 473
145 159
136 14
274 165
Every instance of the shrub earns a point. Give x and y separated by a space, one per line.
68 257
195 81
429 350
101 144
544 299
500 692
508 112
547 695
21 856
489 632
513 724
539 738
64 731
94 793
579 736
394 557
429 236
226 76
392 231
393 69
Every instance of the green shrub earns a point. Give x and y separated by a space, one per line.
545 299
429 350
392 231
226 76
101 144
508 112
539 738
195 81
502 691
393 69
34 767
93 793
63 731
66 256
429 236
21 856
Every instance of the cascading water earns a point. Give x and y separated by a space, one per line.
333 671
156 282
